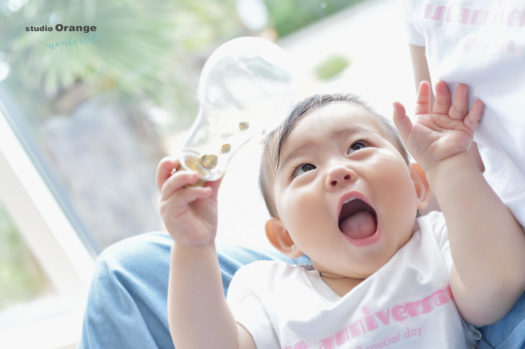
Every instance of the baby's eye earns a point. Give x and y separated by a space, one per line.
357 146
299 170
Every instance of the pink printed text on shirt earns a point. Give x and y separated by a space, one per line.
375 320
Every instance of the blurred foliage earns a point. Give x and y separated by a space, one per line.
290 15
21 278
331 67
143 54
143 50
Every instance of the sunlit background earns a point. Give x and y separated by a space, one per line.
96 116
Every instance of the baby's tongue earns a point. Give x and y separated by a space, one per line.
359 225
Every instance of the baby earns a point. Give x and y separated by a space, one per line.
340 189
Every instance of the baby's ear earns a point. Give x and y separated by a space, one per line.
420 184
280 238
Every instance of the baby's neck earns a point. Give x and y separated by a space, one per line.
339 284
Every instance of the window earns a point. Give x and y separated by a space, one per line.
21 277
85 115
45 252
98 92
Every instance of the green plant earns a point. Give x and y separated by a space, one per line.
291 15
331 67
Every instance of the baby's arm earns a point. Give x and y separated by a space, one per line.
198 314
487 244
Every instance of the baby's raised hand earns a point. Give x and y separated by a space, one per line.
442 131
189 212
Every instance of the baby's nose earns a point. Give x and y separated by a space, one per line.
338 176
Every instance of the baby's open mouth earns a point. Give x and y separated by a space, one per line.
357 219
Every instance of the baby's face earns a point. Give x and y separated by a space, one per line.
343 191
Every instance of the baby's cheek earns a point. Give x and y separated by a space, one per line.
395 181
302 210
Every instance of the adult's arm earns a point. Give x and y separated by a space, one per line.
419 64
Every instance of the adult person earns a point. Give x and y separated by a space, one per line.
482 44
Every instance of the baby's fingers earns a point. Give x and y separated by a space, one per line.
442 99
179 180
474 116
401 120
164 170
214 186
182 198
459 107
424 97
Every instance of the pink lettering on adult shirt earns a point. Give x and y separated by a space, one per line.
465 15
512 18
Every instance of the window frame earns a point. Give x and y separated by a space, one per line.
53 240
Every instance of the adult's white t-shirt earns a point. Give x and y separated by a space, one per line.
482 43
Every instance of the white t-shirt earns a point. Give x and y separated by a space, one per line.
482 43
407 303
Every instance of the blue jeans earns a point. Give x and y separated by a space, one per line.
509 332
127 299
